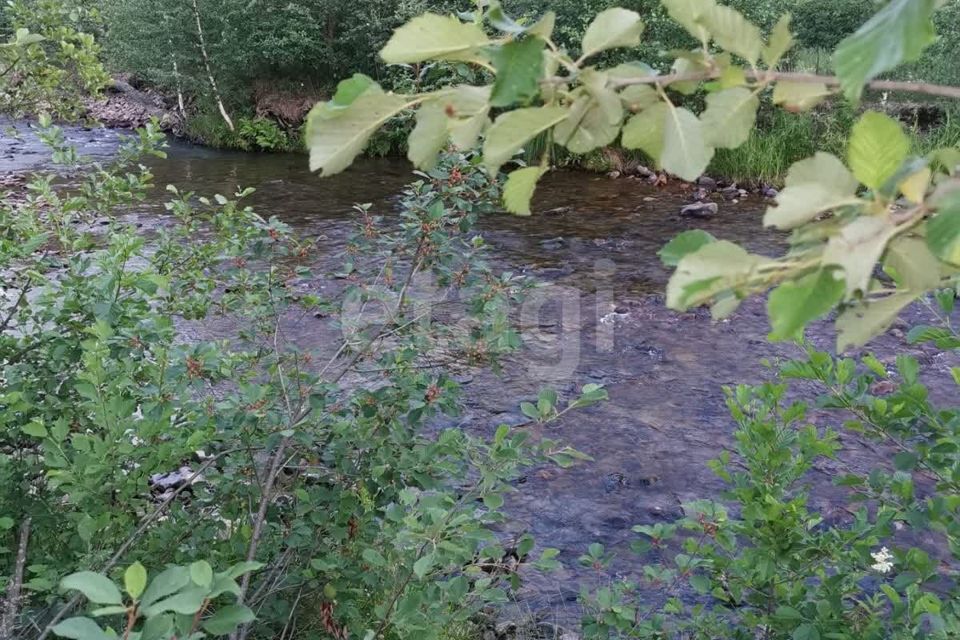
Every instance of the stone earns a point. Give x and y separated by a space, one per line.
707 183
731 193
700 210
769 192
552 243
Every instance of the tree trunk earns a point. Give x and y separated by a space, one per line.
206 64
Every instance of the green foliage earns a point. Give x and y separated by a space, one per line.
102 399
177 602
50 61
764 559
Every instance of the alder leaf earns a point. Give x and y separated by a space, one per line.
638 97
795 304
682 245
733 32
857 249
812 187
857 325
912 265
334 143
686 153
434 37
943 229
799 96
688 14
594 121
428 137
644 131
878 147
612 28
713 269
897 33
514 129
729 117
781 41
519 189
519 66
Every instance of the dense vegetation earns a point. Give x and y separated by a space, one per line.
153 487
268 71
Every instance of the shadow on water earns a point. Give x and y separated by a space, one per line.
594 241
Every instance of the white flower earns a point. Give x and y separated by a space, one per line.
883 561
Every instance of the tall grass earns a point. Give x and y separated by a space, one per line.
781 139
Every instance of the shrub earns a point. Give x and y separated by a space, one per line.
764 563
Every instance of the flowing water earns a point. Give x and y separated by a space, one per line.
594 240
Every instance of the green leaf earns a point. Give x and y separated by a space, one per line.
943 229
514 129
813 186
806 631
799 96
241 568
857 249
733 32
594 121
611 29
544 26
429 136
135 580
897 33
334 143
530 410
689 14
729 117
795 304
858 325
167 582
781 41
905 461
434 37
423 565
373 557
714 268
186 602
201 573
638 97
787 613
911 263
228 618
35 428
157 628
878 146
644 131
471 109
685 150
518 192
683 244
95 587
80 628
519 66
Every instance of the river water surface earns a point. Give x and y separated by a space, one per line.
594 240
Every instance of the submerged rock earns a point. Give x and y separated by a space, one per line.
700 210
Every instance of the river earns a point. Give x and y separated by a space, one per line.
594 240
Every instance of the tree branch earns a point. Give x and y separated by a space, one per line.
926 88
9 620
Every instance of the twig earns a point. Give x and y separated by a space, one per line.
16 583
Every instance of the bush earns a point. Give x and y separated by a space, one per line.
764 562
822 25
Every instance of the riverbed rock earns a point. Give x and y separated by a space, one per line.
769 192
730 193
707 183
552 244
700 210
